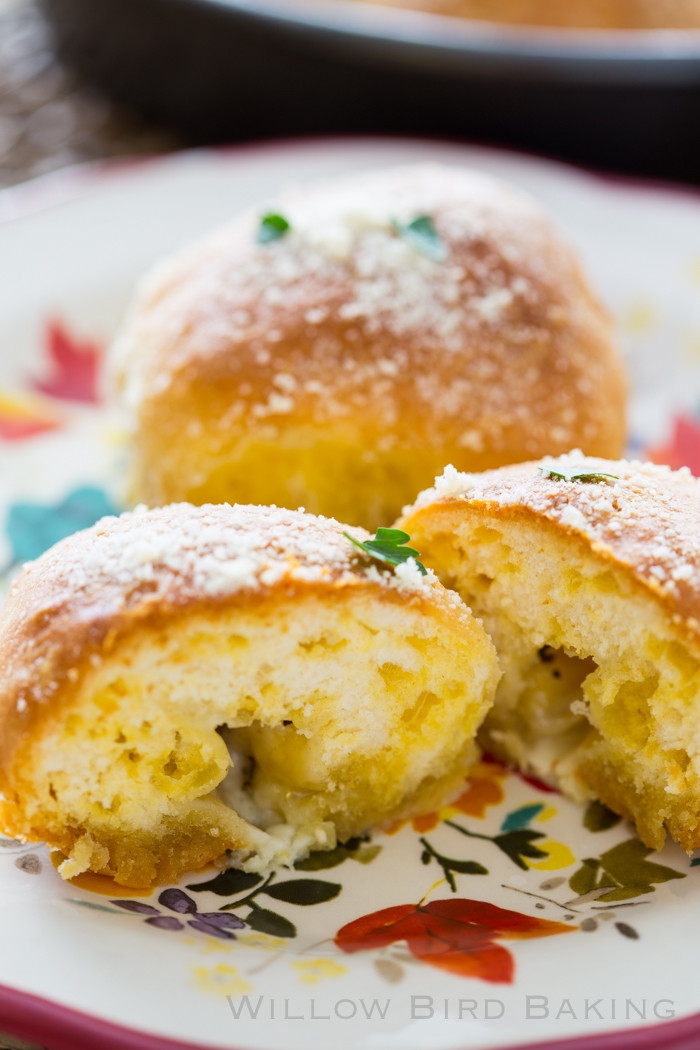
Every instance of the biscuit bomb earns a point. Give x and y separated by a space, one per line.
186 681
335 347
586 573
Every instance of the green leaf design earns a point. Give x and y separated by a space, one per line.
518 844
265 921
515 844
272 228
590 877
599 818
353 849
304 891
465 867
95 907
422 235
624 869
228 883
320 860
450 866
573 474
366 854
388 547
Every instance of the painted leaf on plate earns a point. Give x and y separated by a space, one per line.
265 921
451 866
25 415
211 928
224 921
683 450
137 907
458 936
520 818
519 844
228 883
599 818
354 849
483 790
516 844
34 527
165 922
624 869
304 891
177 900
74 366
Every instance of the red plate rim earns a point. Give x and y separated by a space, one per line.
60 1027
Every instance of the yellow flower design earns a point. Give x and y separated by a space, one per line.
313 971
640 318
209 945
220 980
560 856
261 940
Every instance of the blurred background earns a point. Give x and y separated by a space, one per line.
49 116
81 80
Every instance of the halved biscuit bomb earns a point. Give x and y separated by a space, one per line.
586 573
186 681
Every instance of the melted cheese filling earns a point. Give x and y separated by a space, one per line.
273 730
600 694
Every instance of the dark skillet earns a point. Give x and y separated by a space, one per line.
226 70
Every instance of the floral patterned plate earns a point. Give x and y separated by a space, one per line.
510 918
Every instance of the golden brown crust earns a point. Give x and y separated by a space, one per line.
571 14
647 523
185 845
72 605
605 574
126 580
342 333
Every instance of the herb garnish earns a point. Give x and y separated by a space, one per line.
573 474
271 228
387 546
422 235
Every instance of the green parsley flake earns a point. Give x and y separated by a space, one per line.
271 228
573 474
387 546
422 235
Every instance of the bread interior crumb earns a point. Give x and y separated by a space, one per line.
265 730
599 694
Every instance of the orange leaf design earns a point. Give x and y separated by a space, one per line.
484 789
75 366
455 935
426 823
